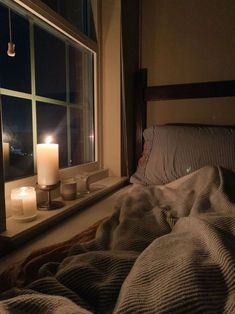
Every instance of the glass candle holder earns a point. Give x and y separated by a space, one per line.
68 190
24 203
82 183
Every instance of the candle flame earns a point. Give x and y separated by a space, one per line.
23 191
48 139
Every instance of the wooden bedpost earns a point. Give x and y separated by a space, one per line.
140 111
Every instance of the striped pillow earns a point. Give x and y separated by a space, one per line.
173 151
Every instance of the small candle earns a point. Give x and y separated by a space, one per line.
23 202
68 190
82 184
48 163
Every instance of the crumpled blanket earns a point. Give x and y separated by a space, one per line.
166 249
25 271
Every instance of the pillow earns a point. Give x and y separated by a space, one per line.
173 151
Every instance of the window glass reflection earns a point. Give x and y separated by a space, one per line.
15 71
49 65
17 137
76 73
52 120
81 76
82 137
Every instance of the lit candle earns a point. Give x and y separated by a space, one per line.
48 163
23 202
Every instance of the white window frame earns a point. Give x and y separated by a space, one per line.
40 11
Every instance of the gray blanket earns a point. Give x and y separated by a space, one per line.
166 249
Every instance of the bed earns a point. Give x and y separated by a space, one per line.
169 247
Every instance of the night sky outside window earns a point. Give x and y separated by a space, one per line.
50 71
15 73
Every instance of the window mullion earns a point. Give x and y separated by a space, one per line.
68 103
33 88
84 101
14 93
2 188
96 114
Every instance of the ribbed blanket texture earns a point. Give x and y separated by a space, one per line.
166 249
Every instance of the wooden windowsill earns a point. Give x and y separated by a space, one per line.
19 232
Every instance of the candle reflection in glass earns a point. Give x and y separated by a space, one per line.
6 153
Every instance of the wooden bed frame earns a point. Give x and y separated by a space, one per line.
145 93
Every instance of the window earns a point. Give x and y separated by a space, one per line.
77 12
47 88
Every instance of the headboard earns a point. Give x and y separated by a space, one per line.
146 93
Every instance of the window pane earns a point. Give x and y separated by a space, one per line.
80 76
52 120
82 137
15 71
17 137
75 75
50 65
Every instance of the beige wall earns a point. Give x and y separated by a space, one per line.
205 111
111 90
187 41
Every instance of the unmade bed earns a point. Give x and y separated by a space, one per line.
167 248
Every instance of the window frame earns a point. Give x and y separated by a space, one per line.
41 12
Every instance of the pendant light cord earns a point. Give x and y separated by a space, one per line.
9 20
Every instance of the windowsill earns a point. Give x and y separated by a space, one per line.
19 232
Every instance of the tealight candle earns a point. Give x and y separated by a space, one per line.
82 184
48 163
23 203
68 190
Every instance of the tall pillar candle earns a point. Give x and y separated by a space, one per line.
48 163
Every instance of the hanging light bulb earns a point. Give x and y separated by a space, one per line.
11 49
11 45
